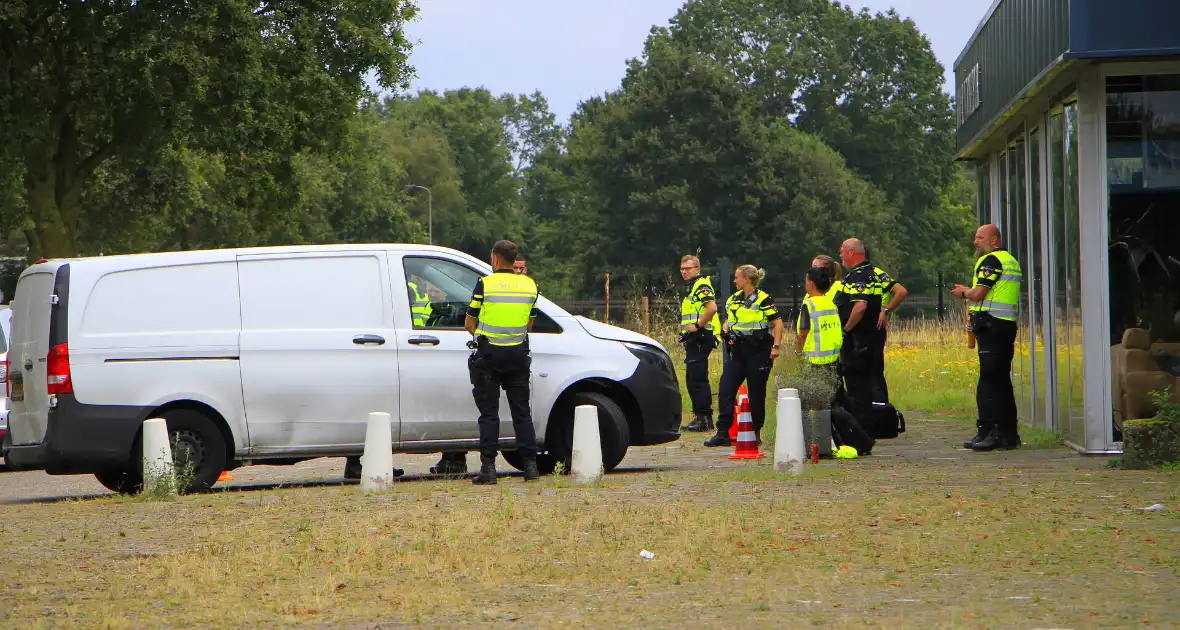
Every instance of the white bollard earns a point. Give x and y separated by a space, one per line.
789 449
157 454
586 462
788 392
377 464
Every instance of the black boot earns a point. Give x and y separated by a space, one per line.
450 464
352 468
700 422
998 439
487 472
980 433
530 469
721 439
709 422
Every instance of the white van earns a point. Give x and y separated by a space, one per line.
277 355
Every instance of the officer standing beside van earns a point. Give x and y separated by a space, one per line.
501 314
994 297
697 309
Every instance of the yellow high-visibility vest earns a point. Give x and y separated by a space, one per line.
1003 299
508 301
825 336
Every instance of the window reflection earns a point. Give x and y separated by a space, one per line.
1143 179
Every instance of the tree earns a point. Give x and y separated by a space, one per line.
474 124
84 82
868 85
678 160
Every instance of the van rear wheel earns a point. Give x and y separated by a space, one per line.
198 454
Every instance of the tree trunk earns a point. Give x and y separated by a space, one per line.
54 236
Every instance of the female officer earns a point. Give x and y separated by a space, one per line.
835 272
753 348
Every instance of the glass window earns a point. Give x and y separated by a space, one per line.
444 288
1015 236
1032 281
439 291
1143 179
1076 428
983 195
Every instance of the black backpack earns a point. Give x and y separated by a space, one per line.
846 431
887 421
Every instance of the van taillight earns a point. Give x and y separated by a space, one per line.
4 369
58 369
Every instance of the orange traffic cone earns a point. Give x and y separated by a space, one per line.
225 476
747 442
742 397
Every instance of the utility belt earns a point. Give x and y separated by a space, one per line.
481 348
984 321
752 339
700 336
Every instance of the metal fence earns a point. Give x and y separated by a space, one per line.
637 300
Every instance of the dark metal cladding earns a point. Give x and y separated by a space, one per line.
1017 40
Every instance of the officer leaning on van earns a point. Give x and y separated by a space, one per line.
697 309
994 299
500 316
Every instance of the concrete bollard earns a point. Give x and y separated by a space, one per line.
157 454
377 464
788 392
789 448
586 462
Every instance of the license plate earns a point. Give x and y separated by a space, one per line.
18 392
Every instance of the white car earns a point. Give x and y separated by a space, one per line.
277 355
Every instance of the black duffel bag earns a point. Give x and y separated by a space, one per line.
886 421
846 431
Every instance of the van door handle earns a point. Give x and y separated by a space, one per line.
424 339
364 340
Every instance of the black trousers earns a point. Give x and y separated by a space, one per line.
880 387
857 367
697 349
995 340
748 362
493 368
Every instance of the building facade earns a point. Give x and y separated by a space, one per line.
1069 113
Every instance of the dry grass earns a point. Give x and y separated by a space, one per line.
860 545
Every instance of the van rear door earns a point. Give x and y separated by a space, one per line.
32 312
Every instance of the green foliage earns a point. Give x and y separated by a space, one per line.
1167 409
679 160
867 85
86 82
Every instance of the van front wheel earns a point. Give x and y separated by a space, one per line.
612 429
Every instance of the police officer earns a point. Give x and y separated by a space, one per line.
897 294
754 331
420 308
521 265
835 272
819 330
697 309
995 304
502 311
859 305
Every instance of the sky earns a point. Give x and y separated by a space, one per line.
572 51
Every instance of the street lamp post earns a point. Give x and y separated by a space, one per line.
429 211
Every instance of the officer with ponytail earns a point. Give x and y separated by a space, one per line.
754 331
